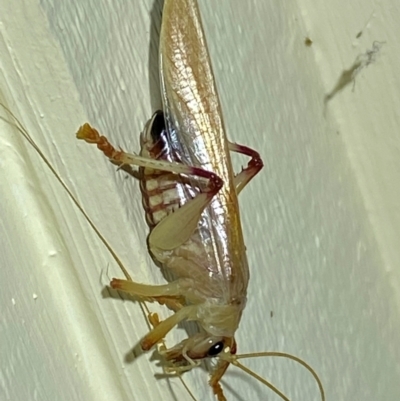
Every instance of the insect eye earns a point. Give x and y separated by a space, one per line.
216 348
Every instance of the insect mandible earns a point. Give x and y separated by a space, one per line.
190 196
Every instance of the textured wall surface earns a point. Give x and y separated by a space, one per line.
321 221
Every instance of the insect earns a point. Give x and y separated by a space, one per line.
190 196
199 169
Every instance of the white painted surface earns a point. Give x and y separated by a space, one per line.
321 220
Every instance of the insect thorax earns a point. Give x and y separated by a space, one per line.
218 319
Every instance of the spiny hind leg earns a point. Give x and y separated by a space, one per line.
176 228
253 166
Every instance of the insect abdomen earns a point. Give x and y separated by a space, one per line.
162 192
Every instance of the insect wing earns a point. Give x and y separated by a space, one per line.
190 98
195 124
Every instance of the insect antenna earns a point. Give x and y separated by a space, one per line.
233 359
23 131
18 125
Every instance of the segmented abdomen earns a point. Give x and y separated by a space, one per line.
162 192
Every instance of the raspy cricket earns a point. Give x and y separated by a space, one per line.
190 197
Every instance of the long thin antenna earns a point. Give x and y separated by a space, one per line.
18 125
233 359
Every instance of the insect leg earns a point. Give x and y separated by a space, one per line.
153 292
169 294
215 380
170 233
146 291
253 166
176 228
